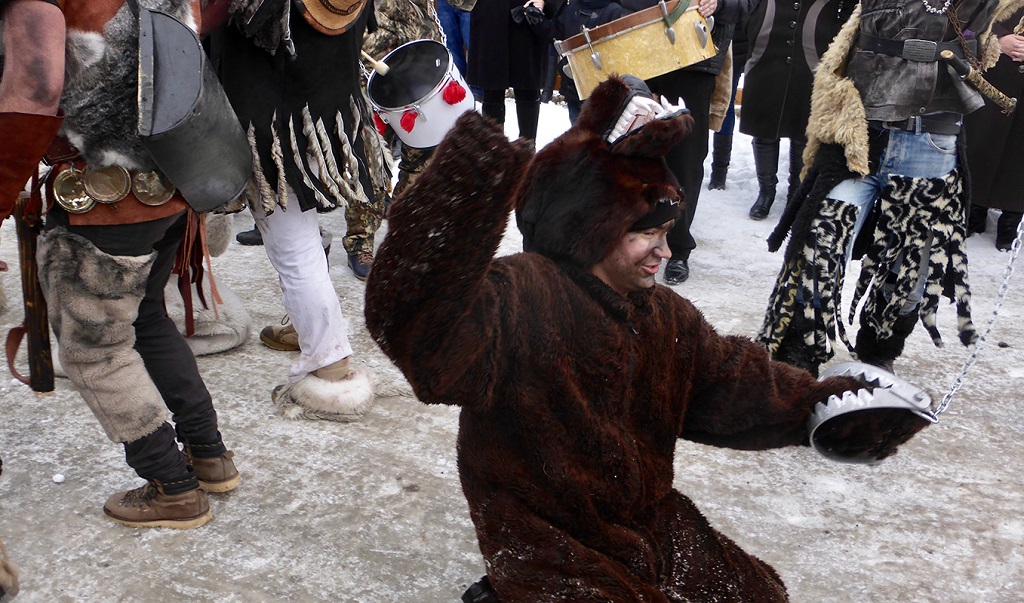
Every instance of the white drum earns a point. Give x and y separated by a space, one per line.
422 93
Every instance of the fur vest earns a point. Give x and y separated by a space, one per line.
838 115
100 95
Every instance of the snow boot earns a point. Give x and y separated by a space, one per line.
883 352
1006 229
721 153
181 505
337 392
766 164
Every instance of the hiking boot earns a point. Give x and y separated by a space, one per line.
217 474
281 337
360 263
334 372
149 507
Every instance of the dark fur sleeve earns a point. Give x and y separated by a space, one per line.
429 304
743 399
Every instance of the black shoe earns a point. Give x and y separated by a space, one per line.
480 592
360 263
1006 229
250 237
763 204
677 271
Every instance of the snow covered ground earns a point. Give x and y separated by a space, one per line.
372 511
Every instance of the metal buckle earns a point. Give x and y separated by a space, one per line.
922 51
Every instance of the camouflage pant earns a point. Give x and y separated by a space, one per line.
363 221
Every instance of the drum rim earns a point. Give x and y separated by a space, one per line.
627 23
433 92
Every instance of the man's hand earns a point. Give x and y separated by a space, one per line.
1012 46
706 8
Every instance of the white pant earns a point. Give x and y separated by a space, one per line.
292 241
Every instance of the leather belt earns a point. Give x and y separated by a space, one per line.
923 51
933 123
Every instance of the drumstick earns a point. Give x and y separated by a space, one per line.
378 66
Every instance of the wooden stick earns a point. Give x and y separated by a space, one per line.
378 66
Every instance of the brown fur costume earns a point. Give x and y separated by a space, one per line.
572 396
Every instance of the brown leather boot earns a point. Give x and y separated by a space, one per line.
217 474
26 138
150 507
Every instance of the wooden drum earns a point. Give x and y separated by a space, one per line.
646 44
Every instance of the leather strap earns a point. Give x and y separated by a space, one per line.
933 123
14 337
923 51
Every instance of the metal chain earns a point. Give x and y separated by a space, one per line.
437 22
1000 297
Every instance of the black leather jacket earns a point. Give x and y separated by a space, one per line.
894 88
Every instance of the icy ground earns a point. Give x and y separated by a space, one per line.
372 511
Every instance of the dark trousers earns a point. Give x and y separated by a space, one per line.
686 160
167 357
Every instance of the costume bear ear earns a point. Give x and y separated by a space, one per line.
624 113
656 138
604 106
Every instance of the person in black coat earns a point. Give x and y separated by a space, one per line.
570 20
994 150
507 52
694 85
787 39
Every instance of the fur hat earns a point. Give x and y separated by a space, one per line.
582 193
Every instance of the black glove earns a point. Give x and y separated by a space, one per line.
531 15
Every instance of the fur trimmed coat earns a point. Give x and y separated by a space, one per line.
573 397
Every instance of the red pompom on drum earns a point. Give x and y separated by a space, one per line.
422 93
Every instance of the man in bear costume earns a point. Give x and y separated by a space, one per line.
576 373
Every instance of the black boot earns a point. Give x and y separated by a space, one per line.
882 352
766 164
721 152
793 350
480 592
528 112
796 165
977 216
1006 229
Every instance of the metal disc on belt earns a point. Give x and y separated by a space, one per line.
151 188
107 184
69 192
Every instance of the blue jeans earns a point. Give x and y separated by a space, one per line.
911 154
455 24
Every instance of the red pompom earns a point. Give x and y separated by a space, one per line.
381 126
453 93
409 120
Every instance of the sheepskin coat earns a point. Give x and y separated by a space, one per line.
573 396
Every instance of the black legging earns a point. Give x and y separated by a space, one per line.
527 109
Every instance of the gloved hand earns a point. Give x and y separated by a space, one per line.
530 15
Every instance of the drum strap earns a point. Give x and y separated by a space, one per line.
678 11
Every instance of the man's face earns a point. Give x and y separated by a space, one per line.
634 262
